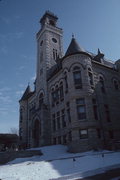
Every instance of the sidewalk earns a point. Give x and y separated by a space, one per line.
113 174
106 173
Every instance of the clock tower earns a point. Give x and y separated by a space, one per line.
49 48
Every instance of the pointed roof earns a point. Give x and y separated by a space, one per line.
99 52
99 56
74 47
26 93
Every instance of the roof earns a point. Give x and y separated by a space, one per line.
54 69
48 14
74 47
26 94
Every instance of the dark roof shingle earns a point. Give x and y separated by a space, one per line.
74 47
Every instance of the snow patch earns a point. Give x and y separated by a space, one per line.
56 162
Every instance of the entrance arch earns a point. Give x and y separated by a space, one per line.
36 132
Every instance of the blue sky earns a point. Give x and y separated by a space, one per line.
95 24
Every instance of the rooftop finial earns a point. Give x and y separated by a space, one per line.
72 35
99 51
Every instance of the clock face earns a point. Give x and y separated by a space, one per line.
54 40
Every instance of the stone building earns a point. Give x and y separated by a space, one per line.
8 141
76 97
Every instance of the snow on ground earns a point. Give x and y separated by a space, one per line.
57 162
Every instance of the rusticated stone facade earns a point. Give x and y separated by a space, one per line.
76 100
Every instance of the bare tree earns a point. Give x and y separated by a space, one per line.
14 130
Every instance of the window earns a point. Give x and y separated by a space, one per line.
54 40
59 139
57 95
98 133
68 112
51 22
70 136
102 85
107 113
116 85
111 135
55 55
90 75
54 122
41 100
54 141
66 82
58 120
53 97
81 110
64 139
83 134
95 109
77 78
61 91
63 118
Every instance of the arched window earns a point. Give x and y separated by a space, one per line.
41 99
90 75
102 84
55 54
61 91
57 94
116 84
53 96
66 82
77 77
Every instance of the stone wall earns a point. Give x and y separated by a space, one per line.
5 157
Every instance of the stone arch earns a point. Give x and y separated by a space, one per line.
80 65
36 132
102 76
40 91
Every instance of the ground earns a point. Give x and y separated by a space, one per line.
57 163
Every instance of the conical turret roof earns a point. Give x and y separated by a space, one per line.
74 47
